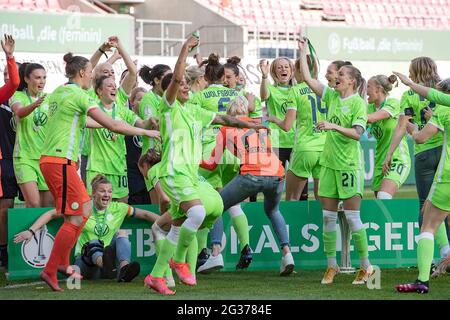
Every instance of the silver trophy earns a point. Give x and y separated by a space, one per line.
346 262
40 239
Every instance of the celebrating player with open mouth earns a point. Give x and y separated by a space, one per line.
342 175
69 106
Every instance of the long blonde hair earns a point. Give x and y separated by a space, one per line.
273 70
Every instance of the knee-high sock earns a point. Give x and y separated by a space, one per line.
158 248
329 236
64 240
240 225
442 240
186 237
360 238
65 262
167 248
202 238
425 252
192 254
329 242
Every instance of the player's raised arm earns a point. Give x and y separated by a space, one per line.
314 84
421 90
119 126
264 90
130 79
180 66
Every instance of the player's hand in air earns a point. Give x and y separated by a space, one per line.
264 66
8 45
191 42
302 44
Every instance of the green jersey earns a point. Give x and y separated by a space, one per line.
30 130
439 97
122 97
418 103
280 100
68 108
149 107
341 152
215 98
104 224
310 111
383 132
441 120
108 149
181 129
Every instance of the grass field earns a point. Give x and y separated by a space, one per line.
255 285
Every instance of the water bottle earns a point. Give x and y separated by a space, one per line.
195 34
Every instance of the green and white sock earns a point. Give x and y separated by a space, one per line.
425 252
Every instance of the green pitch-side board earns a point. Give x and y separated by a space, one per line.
391 228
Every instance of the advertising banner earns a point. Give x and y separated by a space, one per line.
392 229
364 44
64 32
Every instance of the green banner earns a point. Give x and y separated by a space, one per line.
349 43
391 228
64 32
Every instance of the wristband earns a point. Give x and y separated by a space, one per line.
264 77
103 52
32 232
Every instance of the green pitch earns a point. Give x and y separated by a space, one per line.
246 285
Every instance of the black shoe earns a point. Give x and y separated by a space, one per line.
432 268
128 272
246 258
202 257
3 257
109 263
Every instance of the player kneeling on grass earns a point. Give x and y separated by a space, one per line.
342 174
260 171
102 251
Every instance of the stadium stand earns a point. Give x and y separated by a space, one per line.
368 13
55 5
